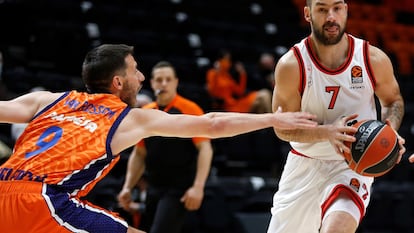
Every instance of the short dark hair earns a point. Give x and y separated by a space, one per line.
162 64
102 63
309 3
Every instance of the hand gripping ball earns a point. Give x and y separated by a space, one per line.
375 151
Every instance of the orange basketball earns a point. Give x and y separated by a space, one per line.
375 151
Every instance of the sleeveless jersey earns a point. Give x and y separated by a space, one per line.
331 94
67 144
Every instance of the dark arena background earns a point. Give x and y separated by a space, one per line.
43 43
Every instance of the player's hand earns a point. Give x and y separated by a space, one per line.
340 132
193 198
124 198
411 158
401 142
294 120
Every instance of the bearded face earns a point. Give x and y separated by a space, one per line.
330 33
128 94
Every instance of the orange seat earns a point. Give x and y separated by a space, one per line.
363 29
404 53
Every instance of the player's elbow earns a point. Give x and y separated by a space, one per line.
216 127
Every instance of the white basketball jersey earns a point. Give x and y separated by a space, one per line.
331 94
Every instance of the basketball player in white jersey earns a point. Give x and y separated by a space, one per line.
334 76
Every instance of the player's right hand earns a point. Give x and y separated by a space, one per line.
340 132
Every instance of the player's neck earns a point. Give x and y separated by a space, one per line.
331 56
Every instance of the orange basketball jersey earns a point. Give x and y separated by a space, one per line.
67 144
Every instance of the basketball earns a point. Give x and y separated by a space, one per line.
376 149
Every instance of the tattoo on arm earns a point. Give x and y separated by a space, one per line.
395 113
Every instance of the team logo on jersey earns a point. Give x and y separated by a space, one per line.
356 74
355 184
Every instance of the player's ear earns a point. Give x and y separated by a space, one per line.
307 14
117 82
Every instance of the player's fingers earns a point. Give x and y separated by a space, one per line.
184 198
338 149
345 138
305 124
346 149
348 130
348 118
188 204
401 140
402 150
193 205
308 115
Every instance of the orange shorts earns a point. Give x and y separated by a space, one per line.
28 206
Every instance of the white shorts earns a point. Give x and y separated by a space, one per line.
308 188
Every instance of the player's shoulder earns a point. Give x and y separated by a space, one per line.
288 62
45 98
377 56
288 58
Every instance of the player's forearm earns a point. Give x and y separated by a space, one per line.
203 166
317 134
394 113
230 124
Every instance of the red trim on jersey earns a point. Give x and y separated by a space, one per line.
368 65
298 153
324 69
335 194
302 78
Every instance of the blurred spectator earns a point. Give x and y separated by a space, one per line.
229 92
263 76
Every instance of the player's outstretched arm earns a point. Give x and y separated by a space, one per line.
142 123
23 108
228 124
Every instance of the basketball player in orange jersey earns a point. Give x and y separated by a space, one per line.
73 139
335 76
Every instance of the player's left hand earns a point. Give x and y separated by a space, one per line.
401 142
